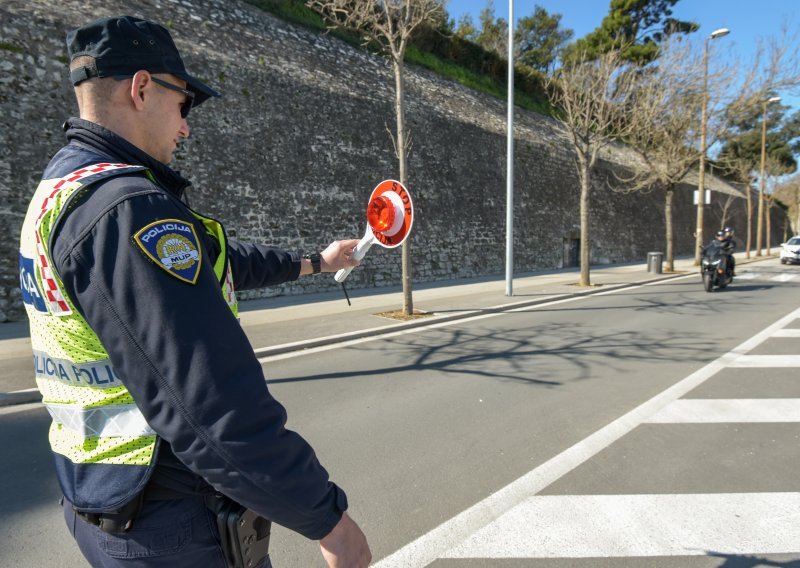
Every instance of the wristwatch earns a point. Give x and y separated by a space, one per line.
316 261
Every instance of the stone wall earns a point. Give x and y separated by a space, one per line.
291 153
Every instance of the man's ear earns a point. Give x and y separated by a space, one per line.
140 88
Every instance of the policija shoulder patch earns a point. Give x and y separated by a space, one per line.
173 245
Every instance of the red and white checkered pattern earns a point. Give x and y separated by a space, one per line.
230 295
55 297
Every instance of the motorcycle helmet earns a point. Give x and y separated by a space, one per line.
720 234
728 231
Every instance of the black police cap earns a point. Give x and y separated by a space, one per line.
123 45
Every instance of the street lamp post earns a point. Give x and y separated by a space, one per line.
510 158
703 125
759 223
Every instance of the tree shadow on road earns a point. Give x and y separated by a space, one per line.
546 355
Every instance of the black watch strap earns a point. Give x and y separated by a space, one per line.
316 261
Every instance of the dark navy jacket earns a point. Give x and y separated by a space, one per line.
178 348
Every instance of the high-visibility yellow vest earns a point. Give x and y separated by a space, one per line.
95 420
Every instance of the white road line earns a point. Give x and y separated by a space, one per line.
787 333
430 546
784 277
503 309
581 526
766 361
697 411
747 276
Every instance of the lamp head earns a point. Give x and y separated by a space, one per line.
720 32
773 100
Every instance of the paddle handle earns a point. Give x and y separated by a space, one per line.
358 253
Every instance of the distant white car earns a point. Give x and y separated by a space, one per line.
790 250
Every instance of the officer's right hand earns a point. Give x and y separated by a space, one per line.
346 546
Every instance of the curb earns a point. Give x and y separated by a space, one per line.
20 397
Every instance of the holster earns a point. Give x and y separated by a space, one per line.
244 534
117 521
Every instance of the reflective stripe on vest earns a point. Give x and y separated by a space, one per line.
94 416
221 265
101 421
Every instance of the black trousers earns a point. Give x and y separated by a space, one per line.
167 534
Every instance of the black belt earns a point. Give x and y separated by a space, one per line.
122 520
244 535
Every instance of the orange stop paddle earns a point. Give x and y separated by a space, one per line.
390 215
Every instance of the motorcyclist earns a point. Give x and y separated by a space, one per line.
729 246
723 241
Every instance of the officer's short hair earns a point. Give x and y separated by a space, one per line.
98 88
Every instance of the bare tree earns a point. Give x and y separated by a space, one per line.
389 24
663 115
742 169
724 210
788 193
589 97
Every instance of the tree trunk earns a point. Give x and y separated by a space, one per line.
749 221
668 195
797 225
760 217
767 212
584 172
400 111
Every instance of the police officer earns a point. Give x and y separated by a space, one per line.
159 404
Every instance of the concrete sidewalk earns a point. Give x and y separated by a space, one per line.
291 323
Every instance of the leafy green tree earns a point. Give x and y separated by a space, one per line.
741 149
466 28
636 27
539 39
493 35
743 144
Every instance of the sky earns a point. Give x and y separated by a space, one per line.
748 20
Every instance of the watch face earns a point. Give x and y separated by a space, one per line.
315 259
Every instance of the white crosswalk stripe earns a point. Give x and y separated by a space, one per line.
766 361
516 522
787 333
770 276
784 277
699 411
581 526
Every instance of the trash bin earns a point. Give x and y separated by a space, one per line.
654 260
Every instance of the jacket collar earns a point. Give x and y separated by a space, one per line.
117 148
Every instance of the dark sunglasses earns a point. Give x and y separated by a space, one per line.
187 104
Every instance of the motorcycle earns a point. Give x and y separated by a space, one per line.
715 268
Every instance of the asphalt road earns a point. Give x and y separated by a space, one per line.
597 431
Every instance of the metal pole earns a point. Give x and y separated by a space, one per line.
702 172
510 158
762 181
701 193
759 223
